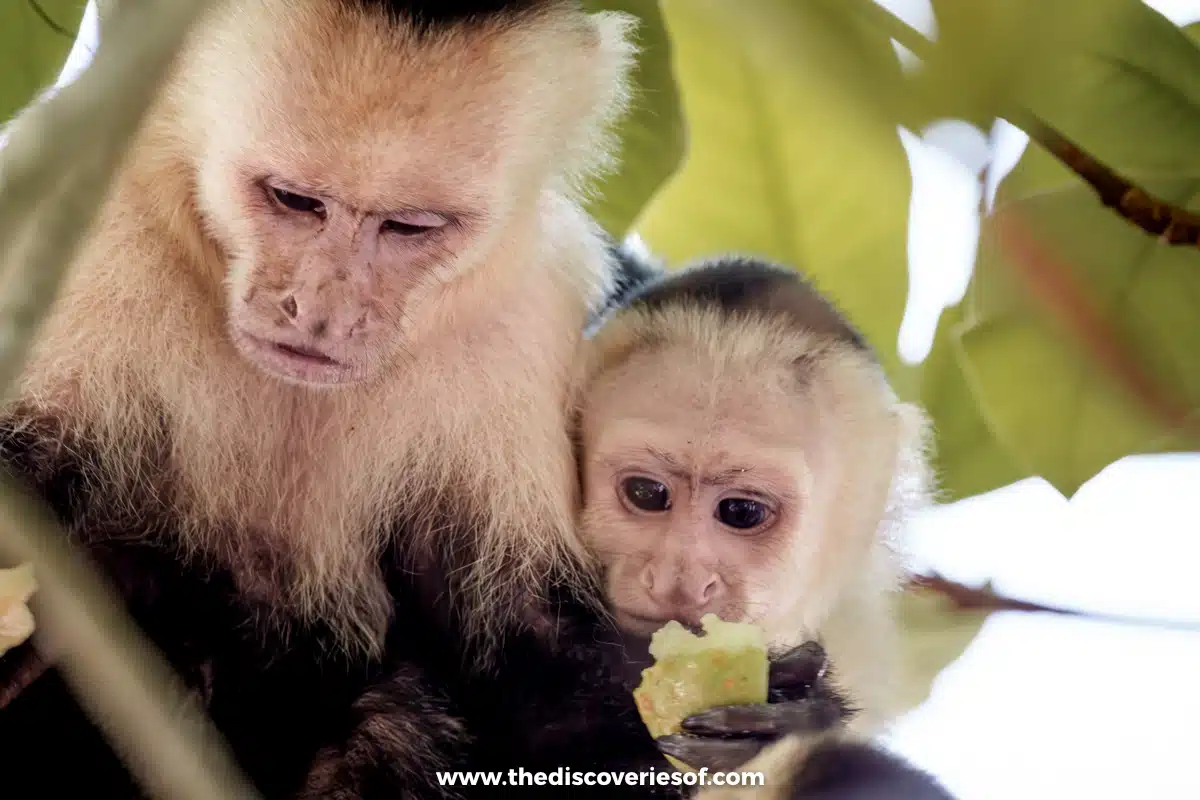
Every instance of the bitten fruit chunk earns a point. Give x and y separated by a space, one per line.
724 667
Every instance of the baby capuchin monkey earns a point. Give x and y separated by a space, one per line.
742 454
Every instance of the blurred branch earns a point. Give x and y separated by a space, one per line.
983 598
55 170
1051 282
1173 225
118 676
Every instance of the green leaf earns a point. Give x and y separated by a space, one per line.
989 51
652 135
933 635
1133 101
793 154
968 457
31 51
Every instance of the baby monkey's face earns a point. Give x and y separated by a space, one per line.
692 492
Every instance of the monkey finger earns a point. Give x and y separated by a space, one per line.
798 668
765 720
718 755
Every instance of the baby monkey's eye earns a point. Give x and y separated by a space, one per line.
646 494
742 513
297 202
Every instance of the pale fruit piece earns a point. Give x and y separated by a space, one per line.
724 667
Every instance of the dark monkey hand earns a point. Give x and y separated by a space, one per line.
800 699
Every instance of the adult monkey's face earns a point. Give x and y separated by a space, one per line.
356 174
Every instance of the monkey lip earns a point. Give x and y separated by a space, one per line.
293 362
646 625
305 352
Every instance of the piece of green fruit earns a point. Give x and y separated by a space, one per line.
724 667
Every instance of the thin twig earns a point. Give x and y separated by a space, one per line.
984 598
1173 225
46 18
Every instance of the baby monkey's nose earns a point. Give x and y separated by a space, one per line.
684 595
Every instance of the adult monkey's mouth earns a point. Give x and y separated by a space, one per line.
305 353
295 363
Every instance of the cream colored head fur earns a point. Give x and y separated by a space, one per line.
808 423
455 410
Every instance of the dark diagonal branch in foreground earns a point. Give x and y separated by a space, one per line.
1174 225
984 598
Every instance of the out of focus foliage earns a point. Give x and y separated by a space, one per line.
791 110
935 633
35 38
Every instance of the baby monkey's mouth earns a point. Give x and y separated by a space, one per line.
646 625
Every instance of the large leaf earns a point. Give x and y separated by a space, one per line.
1133 101
653 134
933 635
989 51
793 155
31 51
969 458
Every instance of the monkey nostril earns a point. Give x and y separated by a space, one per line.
710 590
320 327
289 306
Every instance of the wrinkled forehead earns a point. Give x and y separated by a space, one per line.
345 95
690 396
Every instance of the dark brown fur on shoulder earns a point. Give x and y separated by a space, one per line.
563 704
402 734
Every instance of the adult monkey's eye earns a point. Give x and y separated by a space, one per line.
742 513
297 202
414 225
646 494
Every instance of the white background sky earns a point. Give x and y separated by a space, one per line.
1041 706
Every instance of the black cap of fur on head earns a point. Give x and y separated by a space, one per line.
431 15
736 284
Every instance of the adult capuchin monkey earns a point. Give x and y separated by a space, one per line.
305 393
